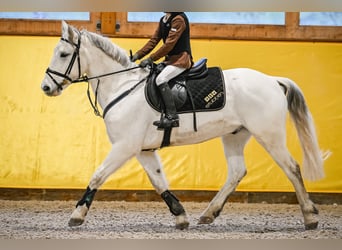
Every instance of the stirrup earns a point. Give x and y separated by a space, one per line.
167 121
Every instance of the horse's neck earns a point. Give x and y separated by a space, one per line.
113 85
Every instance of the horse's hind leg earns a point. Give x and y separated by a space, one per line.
233 149
275 145
154 169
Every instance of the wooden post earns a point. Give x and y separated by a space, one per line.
108 22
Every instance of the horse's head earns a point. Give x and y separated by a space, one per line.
65 64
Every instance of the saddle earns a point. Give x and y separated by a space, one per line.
196 90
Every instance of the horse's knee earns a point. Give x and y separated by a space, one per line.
241 175
236 176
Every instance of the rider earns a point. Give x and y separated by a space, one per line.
174 30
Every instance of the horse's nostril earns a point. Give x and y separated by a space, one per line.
46 88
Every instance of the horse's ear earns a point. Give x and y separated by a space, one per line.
67 31
65 28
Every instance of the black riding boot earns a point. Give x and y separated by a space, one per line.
170 119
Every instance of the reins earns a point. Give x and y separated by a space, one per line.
85 78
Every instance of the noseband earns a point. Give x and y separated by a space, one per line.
65 76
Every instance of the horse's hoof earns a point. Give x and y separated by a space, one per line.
205 220
74 222
311 226
182 221
77 216
182 226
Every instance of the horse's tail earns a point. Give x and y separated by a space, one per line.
302 118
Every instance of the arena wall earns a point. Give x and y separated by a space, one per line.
58 142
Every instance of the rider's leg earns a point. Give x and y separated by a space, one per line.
171 118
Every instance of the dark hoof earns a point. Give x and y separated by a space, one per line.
205 220
75 222
182 226
311 226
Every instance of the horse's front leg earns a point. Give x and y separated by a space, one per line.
154 169
118 155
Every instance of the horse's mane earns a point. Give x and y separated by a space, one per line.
109 48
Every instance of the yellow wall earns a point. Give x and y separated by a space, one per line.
58 142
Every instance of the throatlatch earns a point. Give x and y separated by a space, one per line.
173 203
87 198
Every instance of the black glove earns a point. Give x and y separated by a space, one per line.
160 67
146 62
134 57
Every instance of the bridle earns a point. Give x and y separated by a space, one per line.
84 78
66 76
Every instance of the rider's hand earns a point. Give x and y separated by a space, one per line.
146 62
134 57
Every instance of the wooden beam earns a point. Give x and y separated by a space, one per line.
44 27
151 195
115 24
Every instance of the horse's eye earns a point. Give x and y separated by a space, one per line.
63 54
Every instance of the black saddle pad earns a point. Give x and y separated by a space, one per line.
203 94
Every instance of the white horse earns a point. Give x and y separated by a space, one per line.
256 105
